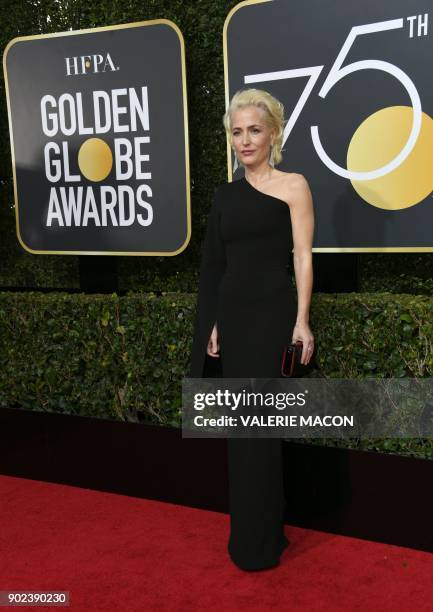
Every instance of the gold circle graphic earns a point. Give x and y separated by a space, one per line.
380 138
95 159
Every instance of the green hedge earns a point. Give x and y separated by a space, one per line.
93 355
124 357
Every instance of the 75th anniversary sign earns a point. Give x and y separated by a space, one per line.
99 140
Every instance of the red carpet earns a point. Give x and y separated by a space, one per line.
113 552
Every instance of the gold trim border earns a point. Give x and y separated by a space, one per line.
387 249
134 24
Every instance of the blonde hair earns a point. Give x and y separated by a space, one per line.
274 115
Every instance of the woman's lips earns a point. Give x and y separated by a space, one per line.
247 152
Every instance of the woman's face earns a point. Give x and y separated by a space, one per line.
251 137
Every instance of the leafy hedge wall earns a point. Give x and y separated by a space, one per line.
124 358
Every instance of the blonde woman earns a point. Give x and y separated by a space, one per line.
247 310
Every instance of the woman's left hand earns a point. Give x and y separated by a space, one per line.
302 332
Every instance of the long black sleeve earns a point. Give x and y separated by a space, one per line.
213 265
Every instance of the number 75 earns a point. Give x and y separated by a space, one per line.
335 74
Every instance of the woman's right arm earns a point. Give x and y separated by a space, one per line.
213 346
213 265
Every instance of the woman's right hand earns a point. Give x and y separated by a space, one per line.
213 346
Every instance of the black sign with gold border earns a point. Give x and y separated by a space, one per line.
99 140
355 81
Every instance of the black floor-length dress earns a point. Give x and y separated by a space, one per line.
245 288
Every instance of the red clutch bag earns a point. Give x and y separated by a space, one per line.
291 358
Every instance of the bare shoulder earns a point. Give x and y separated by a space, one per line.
291 179
295 180
298 190
301 208
292 187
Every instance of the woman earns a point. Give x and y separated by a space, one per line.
247 310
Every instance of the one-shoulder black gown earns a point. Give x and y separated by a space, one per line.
245 288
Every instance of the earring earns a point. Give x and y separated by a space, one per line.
271 157
236 163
